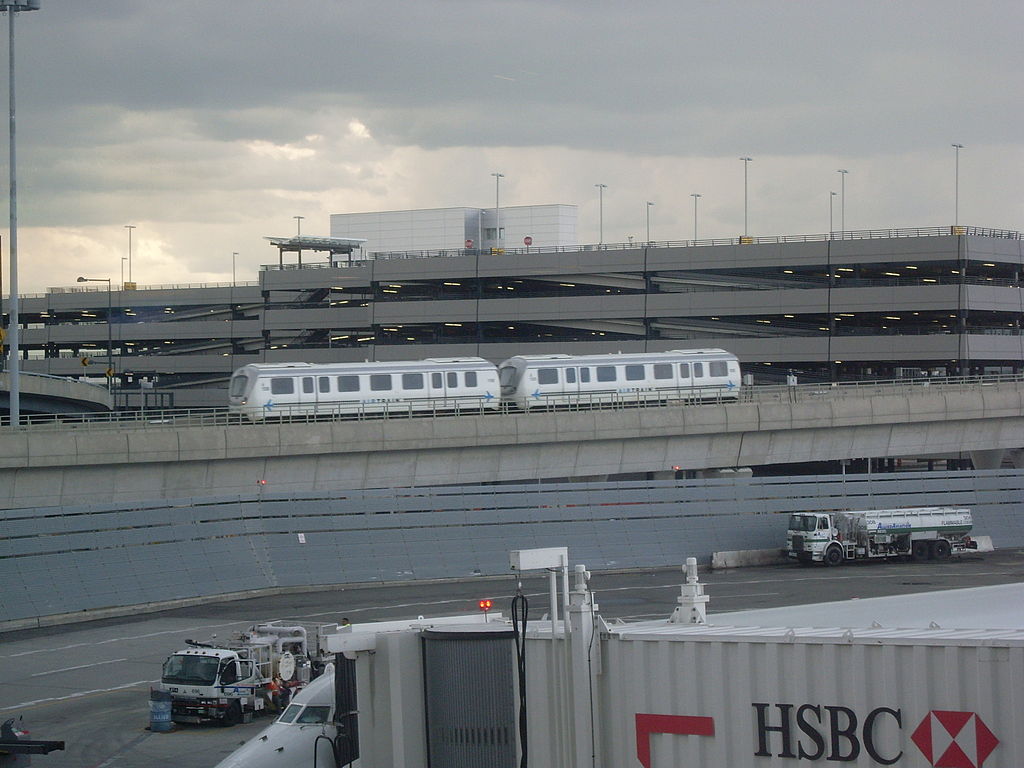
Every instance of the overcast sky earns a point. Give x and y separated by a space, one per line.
209 125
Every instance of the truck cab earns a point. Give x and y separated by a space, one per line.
208 684
808 536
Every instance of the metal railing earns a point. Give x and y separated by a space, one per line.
859 234
771 393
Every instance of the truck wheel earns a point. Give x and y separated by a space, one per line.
941 549
233 715
833 556
920 550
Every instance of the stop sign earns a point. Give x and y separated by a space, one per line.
469 243
528 240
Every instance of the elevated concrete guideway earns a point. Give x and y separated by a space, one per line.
41 393
771 425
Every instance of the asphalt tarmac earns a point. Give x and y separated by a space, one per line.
88 684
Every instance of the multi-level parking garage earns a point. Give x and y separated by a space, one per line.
878 304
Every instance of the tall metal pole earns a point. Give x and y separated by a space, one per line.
14 367
234 255
600 212
746 162
842 200
129 227
497 208
831 199
956 185
696 196
649 204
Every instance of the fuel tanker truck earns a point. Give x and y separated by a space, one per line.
922 533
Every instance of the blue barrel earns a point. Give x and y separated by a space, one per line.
160 711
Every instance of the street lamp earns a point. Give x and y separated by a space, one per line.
842 201
497 208
110 359
649 205
600 212
129 227
956 185
696 196
746 162
831 199
14 366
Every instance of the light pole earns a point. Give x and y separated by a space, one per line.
129 227
600 212
842 200
831 199
746 162
696 196
956 185
497 208
234 255
649 205
110 359
14 364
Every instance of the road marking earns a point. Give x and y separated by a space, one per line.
121 639
80 666
77 695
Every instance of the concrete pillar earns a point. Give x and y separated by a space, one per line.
1017 457
987 459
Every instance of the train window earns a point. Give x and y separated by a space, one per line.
324 383
606 373
718 368
348 383
698 370
282 386
380 382
684 370
239 384
470 378
663 370
635 373
412 381
570 375
307 385
584 375
437 380
453 379
508 376
547 376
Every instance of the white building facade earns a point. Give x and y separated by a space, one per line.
441 229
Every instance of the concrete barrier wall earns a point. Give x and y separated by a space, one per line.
89 558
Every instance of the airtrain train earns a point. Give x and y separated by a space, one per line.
266 390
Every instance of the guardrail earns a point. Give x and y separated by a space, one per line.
764 393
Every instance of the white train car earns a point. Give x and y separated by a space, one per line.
689 375
268 390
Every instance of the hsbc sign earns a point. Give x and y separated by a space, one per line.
838 734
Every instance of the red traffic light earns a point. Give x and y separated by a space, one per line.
485 605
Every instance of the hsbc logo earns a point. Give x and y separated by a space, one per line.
954 739
812 732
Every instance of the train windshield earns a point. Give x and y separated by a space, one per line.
802 522
239 383
507 376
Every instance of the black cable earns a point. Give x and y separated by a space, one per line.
520 609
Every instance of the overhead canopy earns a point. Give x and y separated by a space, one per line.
332 244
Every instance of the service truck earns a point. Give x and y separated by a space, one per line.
923 533
226 683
